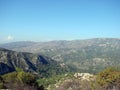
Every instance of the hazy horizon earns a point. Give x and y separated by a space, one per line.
49 20
56 40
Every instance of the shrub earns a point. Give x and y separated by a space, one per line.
19 81
109 78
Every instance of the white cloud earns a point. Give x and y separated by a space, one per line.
9 37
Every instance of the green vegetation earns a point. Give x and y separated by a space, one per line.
109 78
51 70
51 81
19 81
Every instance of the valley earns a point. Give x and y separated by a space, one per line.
90 55
61 65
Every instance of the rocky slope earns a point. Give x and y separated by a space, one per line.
10 60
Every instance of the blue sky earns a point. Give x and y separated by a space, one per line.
44 20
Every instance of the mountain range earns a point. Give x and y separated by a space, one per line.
90 55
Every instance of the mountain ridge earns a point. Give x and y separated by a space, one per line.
10 60
89 55
17 44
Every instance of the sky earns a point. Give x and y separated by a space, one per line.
46 20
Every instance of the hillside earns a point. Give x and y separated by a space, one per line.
90 55
108 79
37 64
